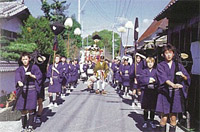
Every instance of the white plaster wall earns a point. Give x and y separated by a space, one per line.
7 81
12 24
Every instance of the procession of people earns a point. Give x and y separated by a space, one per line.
157 88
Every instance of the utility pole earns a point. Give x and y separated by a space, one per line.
87 40
79 11
113 45
82 34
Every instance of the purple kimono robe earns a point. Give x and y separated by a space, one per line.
91 67
57 79
85 67
65 68
149 91
126 71
73 73
113 69
139 68
77 72
28 99
117 74
169 101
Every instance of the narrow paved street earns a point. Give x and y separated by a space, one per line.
82 111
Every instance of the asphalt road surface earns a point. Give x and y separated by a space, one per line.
82 111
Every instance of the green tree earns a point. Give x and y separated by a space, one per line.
35 31
13 50
55 11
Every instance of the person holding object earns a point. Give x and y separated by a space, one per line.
173 82
27 78
55 85
65 68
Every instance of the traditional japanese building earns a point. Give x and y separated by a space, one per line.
12 15
156 30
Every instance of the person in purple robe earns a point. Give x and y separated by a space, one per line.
65 68
148 84
55 86
135 73
77 72
114 62
90 69
173 81
67 75
73 75
85 67
41 94
27 79
125 73
118 77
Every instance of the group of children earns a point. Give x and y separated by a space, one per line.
62 75
159 88
156 87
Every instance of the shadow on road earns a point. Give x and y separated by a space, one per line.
47 113
138 118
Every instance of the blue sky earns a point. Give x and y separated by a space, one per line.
103 14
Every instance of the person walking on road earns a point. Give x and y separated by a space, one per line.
27 78
55 85
101 70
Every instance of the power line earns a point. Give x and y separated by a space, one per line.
100 12
116 9
124 7
104 12
132 5
129 3
119 8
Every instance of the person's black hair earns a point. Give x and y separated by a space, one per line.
25 54
22 55
168 47
102 57
63 57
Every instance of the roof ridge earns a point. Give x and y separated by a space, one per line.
153 27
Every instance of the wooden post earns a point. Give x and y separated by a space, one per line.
54 54
68 45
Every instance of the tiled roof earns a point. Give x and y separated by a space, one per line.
166 8
8 67
8 9
154 27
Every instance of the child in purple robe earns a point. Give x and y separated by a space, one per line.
173 83
27 78
55 75
90 69
67 76
77 72
84 74
113 69
65 71
125 73
117 75
135 73
148 83
73 71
